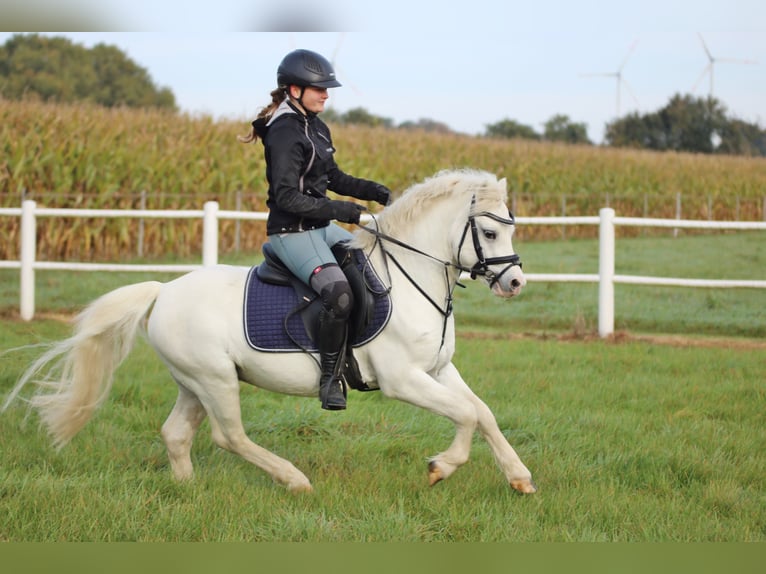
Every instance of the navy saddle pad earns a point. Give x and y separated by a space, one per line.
276 316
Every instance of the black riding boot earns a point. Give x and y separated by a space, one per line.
332 342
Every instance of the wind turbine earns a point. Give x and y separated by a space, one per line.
711 65
618 76
338 70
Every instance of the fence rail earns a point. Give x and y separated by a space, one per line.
211 215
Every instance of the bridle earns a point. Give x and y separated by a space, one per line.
481 267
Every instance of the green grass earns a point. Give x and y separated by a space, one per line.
627 440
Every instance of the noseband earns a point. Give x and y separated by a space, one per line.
481 267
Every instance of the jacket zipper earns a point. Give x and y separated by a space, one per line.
308 167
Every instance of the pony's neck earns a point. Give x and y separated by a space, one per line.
427 226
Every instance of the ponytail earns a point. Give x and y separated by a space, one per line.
277 97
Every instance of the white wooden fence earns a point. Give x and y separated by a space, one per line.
211 214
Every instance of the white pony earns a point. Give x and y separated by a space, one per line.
452 222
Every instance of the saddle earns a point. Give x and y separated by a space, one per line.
282 312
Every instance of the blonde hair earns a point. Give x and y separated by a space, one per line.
278 96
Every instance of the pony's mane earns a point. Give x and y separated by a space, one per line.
415 199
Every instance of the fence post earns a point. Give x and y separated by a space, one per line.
142 205
606 272
210 234
28 251
563 214
237 227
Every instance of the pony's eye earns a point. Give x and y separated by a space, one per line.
489 234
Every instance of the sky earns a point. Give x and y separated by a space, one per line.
467 65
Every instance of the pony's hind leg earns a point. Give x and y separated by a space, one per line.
228 433
179 430
220 397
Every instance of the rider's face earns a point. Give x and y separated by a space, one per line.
314 99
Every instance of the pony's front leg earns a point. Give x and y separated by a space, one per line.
420 389
517 474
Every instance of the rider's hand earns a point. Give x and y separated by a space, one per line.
382 194
347 211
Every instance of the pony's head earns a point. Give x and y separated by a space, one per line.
485 248
478 222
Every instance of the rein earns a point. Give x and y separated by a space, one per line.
481 267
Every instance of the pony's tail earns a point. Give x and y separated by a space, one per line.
75 375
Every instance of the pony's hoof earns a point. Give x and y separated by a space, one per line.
435 473
301 488
524 486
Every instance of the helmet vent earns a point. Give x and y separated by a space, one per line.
313 65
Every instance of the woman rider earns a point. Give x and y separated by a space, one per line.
300 168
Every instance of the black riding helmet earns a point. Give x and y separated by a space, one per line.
306 68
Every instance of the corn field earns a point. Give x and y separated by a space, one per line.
91 157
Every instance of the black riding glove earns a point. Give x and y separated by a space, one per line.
347 211
382 194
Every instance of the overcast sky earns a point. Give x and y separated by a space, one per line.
467 65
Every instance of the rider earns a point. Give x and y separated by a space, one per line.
300 168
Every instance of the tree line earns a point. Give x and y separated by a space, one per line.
686 123
57 70
54 69
691 124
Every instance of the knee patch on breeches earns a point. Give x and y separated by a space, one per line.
334 290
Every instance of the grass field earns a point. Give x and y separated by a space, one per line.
628 439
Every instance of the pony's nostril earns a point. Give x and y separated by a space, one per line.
515 283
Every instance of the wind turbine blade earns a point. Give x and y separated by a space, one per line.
701 77
736 61
599 75
704 47
341 37
630 51
349 83
630 91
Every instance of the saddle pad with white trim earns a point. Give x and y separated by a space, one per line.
275 316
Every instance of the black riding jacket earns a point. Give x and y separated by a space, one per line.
300 168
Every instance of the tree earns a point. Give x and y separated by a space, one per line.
331 116
122 82
741 138
55 69
637 131
360 116
426 125
688 124
691 122
560 128
508 128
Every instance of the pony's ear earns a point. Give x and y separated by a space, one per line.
504 183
